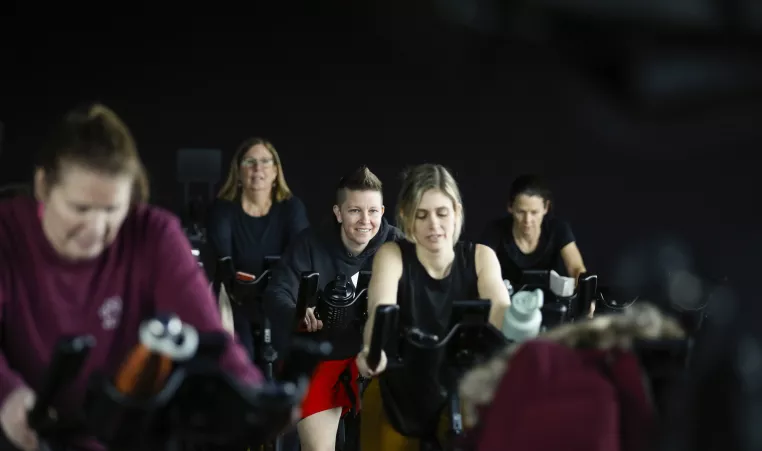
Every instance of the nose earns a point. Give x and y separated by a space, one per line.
365 218
433 222
96 222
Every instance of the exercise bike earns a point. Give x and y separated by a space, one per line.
443 360
247 291
170 394
558 310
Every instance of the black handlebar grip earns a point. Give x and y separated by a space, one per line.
308 289
225 273
385 323
270 262
363 280
68 357
587 287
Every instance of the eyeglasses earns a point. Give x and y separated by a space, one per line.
264 162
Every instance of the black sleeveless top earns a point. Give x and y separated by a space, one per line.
413 395
425 302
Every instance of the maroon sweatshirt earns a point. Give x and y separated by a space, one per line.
148 269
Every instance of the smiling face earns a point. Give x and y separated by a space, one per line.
83 211
360 215
258 171
436 221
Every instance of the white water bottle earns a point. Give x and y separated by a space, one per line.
523 319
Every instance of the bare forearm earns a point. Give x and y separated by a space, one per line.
575 273
496 315
368 330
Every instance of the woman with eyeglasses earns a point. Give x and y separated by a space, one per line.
255 216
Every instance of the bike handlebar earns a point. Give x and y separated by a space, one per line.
67 360
198 403
384 324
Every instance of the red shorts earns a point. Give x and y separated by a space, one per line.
327 391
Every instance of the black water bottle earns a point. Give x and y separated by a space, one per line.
587 289
337 305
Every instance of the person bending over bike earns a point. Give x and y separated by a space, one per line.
346 246
89 256
424 275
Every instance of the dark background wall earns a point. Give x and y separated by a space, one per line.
334 90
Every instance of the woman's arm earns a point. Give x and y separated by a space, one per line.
491 285
382 289
568 249
281 294
573 260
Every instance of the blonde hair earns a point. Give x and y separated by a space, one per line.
416 181
97 138
231 189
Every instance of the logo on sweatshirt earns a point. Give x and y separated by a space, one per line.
110 312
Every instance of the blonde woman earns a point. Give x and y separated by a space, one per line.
424 275
256 215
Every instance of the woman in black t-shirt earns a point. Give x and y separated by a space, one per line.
528 239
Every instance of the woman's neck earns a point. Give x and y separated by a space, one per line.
526 240
436 264
256 203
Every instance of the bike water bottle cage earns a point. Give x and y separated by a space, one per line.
337 304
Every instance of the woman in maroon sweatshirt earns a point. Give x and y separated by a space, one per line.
90 256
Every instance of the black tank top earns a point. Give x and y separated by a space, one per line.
425 302
413 395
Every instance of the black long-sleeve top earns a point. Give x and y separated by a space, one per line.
248 240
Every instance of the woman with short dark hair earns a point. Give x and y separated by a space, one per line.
528 238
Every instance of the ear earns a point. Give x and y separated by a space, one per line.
383 209
547 206
337 213
509 208
40 185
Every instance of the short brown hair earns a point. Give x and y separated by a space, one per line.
94 136
360 179
231 189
